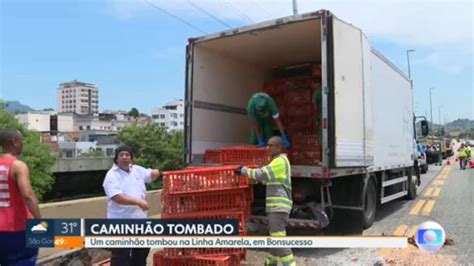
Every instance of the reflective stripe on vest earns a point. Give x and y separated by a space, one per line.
278 191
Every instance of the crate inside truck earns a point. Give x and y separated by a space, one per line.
347 110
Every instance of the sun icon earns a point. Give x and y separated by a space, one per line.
45 225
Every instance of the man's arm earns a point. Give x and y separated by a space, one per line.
155 174
279 125
22 178
127 200
256 128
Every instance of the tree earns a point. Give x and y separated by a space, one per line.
134 113
154 147
2 105
35 154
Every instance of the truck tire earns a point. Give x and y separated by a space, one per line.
412 187
369 204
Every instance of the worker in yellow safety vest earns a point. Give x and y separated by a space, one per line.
464 153
277 178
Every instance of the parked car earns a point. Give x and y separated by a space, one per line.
422 162
433 154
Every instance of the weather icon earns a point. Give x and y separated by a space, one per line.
40 228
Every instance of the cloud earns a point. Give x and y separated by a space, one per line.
416 23
39 227
125 9
441 62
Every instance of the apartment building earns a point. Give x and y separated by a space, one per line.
78 97
170 116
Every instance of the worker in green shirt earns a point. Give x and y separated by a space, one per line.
263 113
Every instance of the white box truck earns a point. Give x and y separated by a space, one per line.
368 137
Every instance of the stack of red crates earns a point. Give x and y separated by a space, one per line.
306 150
205 193
238 155
299 114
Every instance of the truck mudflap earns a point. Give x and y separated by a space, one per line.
296 223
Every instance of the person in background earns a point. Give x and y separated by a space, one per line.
263 113
463 153
124 186
277 178
18 201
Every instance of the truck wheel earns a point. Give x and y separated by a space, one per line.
412 188
369 204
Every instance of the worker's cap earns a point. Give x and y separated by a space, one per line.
260 103
121 149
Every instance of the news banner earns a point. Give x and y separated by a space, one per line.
167 233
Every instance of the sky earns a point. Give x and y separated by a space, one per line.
134 50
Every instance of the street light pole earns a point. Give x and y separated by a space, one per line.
439 114
295 8
408 61
431 112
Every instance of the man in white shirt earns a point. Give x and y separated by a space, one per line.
125 188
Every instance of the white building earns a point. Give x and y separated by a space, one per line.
78 97
40 122
170 116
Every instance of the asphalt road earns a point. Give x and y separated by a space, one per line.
446 196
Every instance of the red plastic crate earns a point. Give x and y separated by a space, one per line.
245 155
203 179
177 252
212 156
305 157
302 110
160 259
298 83
241 216
316 71
306 142
300 123
204 201
298 96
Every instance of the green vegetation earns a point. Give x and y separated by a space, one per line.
154 147
134 112
36 155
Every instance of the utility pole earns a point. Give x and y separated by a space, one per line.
431 112
408 60
295 8
439 114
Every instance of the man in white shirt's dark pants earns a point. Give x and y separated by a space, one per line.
125 188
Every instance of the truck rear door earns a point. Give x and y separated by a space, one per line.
350 97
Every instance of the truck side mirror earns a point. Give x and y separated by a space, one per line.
424 128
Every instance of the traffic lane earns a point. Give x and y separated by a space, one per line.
390 215
435 203
454 211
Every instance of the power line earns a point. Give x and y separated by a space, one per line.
209 14
241 14
270 15
176 17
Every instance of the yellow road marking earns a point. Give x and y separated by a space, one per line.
436 192
429 191
415 210
438 182
428 207
412 231
401 230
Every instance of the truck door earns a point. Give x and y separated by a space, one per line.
351 97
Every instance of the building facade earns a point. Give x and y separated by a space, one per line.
170 116
78 97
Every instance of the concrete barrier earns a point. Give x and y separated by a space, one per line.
93 207
87 208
